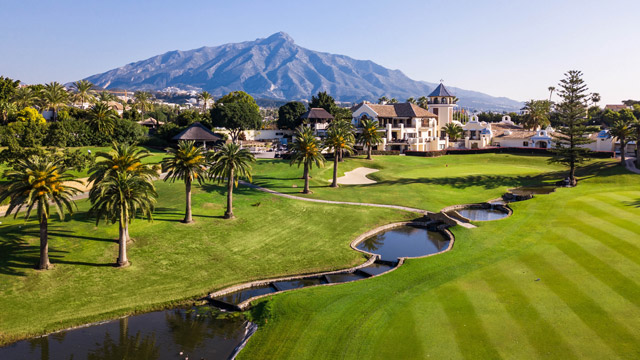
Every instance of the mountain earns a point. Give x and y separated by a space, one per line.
277 68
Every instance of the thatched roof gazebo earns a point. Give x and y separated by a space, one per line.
198 132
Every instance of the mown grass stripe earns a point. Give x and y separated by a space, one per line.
599 269
542 336
613 334
607 210
471 336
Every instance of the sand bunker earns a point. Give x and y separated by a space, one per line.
357 176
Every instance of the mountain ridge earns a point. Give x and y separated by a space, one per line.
277 68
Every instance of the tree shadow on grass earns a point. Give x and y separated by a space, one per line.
635 203
17 255
177 216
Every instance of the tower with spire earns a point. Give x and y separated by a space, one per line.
441 103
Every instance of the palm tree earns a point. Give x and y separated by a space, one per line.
307 151
187 163
454 131
411 100
383 100
339 139
104 97
121 158
83 90
118 198
230 162
142 100
25 97
595 98
622 130
551 90
423 102
370 135
55 95
205 97
537 114
393 101
38 182
102 118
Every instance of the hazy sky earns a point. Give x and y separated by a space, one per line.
504 48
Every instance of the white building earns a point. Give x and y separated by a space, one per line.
408 126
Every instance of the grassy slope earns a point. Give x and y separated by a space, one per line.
482 300
426 183
170 261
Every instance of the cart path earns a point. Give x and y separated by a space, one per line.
396 207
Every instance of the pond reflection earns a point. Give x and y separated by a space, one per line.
201 332
404 241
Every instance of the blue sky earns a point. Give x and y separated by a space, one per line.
505 48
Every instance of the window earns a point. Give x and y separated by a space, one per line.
525 143
279 134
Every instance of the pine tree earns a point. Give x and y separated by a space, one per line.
572 135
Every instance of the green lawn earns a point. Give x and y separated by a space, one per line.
483 300
171 261
425 183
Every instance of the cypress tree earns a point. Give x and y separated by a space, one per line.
572 135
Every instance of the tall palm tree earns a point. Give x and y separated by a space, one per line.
142 100
551 90
187 163
370 135
102 118
306 151
339 139
25 97
54 96
635 124
121 158
454 131
118 198
83 90
38 182
229 163
205 97
622 130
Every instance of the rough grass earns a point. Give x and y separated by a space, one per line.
171 261
425 183
559 279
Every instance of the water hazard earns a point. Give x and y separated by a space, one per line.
482 214
405 241
197 333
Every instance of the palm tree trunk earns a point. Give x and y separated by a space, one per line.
44 245
369 152
229 213
341 159
122 244
187 216
334 184
622 151
306 180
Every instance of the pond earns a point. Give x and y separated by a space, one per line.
198 333
404 241
482 214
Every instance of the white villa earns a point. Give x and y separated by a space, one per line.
408 126
480 135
